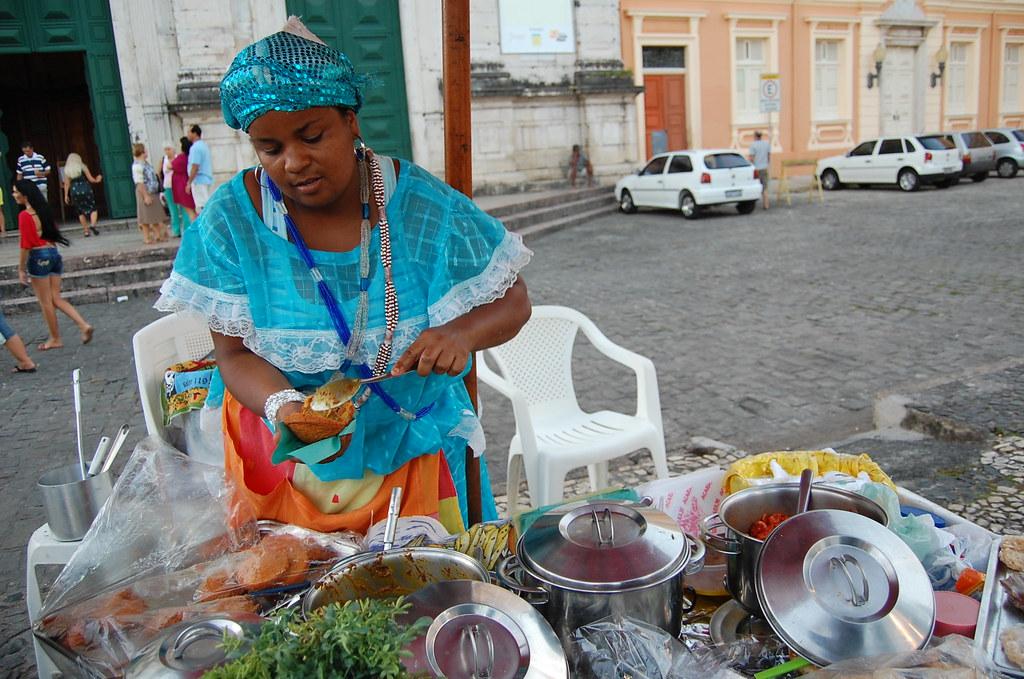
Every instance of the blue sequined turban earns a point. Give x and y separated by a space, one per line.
284 72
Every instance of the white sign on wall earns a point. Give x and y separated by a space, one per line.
771 93
536 26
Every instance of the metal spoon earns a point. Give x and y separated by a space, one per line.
392 521
337 391
76 375
806 479
119 438
97 457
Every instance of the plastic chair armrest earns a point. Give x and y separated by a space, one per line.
520 407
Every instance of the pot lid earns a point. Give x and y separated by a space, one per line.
190 649
837 585
604 547
481 630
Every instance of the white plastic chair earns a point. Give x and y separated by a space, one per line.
553 434
164 342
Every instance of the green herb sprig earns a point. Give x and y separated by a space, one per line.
356 640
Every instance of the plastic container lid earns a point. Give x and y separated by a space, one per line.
955 613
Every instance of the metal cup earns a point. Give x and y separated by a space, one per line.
71 503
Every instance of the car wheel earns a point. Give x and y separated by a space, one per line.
688 205
1007 168
830 180
746 207
626 203
908 180
980 177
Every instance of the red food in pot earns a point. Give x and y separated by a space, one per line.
761 528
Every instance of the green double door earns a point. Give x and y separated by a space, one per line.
73 36
369 33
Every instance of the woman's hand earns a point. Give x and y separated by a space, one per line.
99 178
22 277
440 350
147 200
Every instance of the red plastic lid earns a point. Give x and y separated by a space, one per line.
955 613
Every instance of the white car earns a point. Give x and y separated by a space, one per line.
691 180
1009 146
905 161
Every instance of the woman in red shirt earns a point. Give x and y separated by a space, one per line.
41 262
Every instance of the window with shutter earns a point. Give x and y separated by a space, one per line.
750 64
956 78
1011 78
826 79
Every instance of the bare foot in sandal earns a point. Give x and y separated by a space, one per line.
87 334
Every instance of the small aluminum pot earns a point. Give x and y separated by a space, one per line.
599 559
727 531
396 572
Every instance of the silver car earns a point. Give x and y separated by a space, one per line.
1009 146
976 152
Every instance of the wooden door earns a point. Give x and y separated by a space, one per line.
370 34
898 91
665 111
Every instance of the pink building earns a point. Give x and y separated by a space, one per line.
846 69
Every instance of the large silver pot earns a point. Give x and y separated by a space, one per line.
396 572
604 558
727 531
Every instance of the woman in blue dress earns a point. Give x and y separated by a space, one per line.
327 258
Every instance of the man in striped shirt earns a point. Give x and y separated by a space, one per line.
33 166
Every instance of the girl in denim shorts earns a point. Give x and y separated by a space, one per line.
42 264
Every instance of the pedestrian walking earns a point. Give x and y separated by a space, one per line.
147 198
578 164
179 178
41 263
200 168
78 193
10 340
175 211
760 155
34 167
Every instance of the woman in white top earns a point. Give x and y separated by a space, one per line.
166 173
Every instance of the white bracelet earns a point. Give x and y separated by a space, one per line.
278 399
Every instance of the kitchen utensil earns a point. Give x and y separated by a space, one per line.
739 510
392 522
804 499
70 502
837 585
479 627
997 615
191 649
115 448
599 558
397 572
97 457
341 389
76 375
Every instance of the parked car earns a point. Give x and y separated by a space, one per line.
1009 146
907 162
976 152
690 181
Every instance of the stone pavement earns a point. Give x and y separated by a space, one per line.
768 331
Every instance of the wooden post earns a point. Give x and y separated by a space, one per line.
458 172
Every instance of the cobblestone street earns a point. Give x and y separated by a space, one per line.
768 331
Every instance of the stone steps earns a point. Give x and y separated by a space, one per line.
105 276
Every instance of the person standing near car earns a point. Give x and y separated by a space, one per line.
760 155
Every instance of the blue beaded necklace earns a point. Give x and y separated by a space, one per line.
353 339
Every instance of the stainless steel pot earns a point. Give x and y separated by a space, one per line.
727 531
397 572
604 558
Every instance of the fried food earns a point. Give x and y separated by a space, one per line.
763 527
1012 640
310 425
1014 586
1011 552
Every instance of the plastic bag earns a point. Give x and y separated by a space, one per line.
199 434
788 464
616 647
173 544
953 657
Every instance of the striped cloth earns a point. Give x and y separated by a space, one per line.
33 169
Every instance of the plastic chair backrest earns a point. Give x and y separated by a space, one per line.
538 361
164 342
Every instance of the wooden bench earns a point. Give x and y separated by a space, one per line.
782 187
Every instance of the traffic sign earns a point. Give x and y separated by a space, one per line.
771 93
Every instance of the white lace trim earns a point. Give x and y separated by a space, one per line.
226 313
492 283
305 351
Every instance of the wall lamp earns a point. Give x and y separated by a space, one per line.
941 57
879 56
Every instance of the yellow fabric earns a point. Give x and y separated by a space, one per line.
740 472
334 497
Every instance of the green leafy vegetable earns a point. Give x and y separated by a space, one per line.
355 640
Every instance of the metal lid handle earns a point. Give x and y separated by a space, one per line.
709 527
482 667
839 562
606 514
